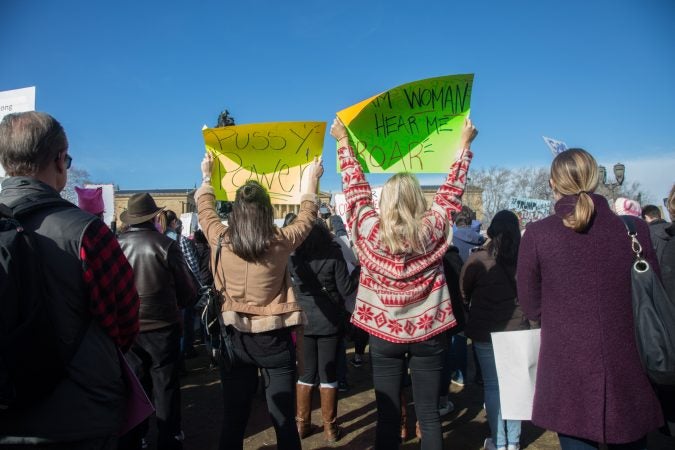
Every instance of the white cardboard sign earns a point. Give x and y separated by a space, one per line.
16 100
516 358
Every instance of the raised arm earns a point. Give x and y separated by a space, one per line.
358 194
297 231
205 198
448 198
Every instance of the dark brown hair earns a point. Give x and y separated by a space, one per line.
251 223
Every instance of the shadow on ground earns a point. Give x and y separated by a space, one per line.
464 429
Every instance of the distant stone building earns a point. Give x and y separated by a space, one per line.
178 200
473 198
182 200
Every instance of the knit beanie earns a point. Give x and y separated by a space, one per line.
90 200
627 207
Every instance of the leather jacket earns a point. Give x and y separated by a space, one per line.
163 279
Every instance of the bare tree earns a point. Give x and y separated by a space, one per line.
499 184
76 177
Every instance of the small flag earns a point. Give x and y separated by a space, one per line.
555 146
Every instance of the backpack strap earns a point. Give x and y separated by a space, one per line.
31 204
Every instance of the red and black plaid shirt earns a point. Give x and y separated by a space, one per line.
110 282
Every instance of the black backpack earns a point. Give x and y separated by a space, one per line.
31 361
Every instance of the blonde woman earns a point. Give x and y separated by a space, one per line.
574 276
402 300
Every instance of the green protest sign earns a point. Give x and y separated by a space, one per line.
415 127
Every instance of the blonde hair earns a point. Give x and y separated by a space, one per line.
575 172
671 203
402 205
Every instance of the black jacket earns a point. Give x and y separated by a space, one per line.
88 402
163 280
322 282
658 231
452 267
667 262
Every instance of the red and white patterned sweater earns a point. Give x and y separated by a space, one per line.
401 297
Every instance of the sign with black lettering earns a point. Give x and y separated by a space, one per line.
274 154
415 127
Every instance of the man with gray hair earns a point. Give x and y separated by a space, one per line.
89 294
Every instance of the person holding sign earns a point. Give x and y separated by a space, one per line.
402 300
259 306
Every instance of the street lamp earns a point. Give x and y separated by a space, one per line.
619 175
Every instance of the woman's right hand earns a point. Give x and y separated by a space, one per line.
469 133
315 169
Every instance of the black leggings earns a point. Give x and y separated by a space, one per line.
319 353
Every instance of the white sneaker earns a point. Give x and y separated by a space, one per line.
489 445
513 447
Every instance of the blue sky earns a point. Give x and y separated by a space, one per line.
134 81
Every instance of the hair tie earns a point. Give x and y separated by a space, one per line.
582 192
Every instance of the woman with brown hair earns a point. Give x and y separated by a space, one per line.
259 307
574 277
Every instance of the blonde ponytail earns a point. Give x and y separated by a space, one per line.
575 172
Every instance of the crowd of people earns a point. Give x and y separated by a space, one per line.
410 280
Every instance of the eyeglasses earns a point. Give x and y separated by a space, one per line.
68 159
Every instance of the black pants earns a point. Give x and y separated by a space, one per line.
100 443
239 386
360 338
155 358
426 363
319 354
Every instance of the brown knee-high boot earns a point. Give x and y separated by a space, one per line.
331 430
303 417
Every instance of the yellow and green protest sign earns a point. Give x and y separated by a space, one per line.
274 154
414 127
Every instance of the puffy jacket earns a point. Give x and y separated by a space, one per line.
464 238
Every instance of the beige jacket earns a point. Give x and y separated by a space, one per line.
257 297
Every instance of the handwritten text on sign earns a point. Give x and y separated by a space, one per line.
415 127
274 154
529 209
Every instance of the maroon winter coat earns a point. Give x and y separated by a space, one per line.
590 382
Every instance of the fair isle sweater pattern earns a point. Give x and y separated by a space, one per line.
402 298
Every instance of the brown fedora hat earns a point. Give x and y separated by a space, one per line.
140 208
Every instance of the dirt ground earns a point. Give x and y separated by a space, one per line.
463 429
